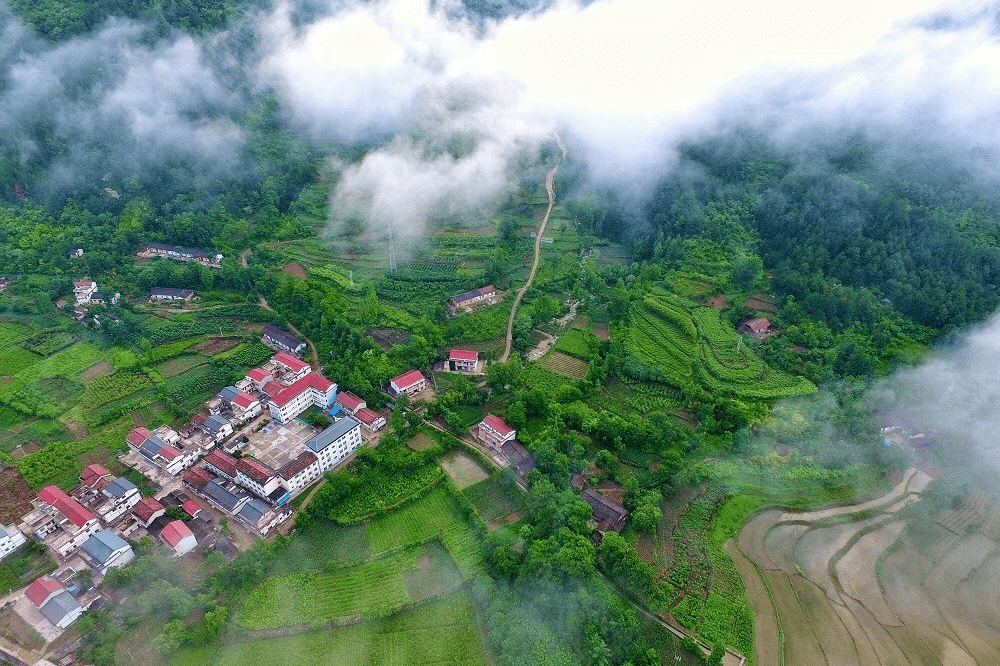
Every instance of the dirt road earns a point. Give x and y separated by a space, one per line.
550 189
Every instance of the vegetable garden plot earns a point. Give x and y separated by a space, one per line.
414 522
565 365
463 469
493 499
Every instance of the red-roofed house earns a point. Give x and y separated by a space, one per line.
351 402
463 360
148 510
369 419
494 431
179 536
258 377
192 508
245 406
297 367
287 402
410 383
95 476
221 463
62 517
261 480
197 477
758 327
43 589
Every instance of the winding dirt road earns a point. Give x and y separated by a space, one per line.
550 189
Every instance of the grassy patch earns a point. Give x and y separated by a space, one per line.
493 499
323 544
13 360
576 342
463 469
24 566
414 522
562 364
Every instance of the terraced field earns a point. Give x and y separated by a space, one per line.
868 585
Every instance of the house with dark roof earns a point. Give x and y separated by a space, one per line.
223 498
260 517
147 510
217 427
494 431
168 294
479 296
261 480
56 604
335 443
156 451
520 457
153 250
410 383
107 550
300 472
608 514
179 537
279 339
120 496
221 464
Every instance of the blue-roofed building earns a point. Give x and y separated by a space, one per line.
334 444
261 518
229 393
107 550
217 427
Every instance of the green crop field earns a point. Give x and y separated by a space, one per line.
562 364
13 360
413 522
493 499
13 332
576 342
441 632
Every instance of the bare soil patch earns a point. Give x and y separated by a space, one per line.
463 469
15 495
78 429
387 337
719 301
509 519
757 304
216 345
856 571
600 329
767 641
98 370
295 269
6 379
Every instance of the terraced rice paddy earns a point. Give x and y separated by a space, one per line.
867 585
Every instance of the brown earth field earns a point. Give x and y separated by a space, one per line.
15 496
295 269
216 345
873 584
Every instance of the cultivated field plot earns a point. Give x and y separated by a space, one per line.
564 364
441 632
463 468
870 584
421 441
413 522
16 496
493 499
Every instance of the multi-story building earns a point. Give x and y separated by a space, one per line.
121 495
107 550
157 451
261 480
60 521
96 476
11 539
410 383
148 509
335 443
287 402
223 498
83 291
494 431
296 368
463 360
221 464
300 472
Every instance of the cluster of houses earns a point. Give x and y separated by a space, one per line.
176 253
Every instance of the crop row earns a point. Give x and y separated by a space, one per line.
102 390
414 522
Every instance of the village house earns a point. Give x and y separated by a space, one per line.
279 340
148 509
179 537
168 294
410 383
293 368
462 360
121 495
371 420
335 443
260 517
106 550
11 539
84 291
221 464
300 472
3 288
287 402
180 254
494 431
55 603
258 377
95 476
191 508
608 514
197 477
261 480
156 451
485 294
245 407
217 428
58 520
350 402
757 328
515 453
230 501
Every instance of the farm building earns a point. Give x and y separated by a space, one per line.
485 294
410 383
221 463
148 509
335 443
350 402
371 420
517 455
106 550
168 294
60 521
494 431
11 539
179 536
95 476
300 472
279 339
609 514
287 402
197 477
55 603
757 328
462 360
261 480
180 254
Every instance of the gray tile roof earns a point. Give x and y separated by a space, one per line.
224 498
228 393
59 607
119 487
215 423
102 544
253 511
317 443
